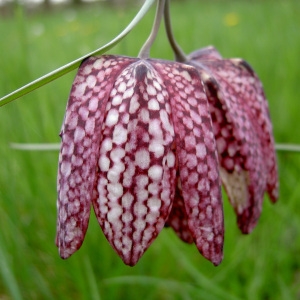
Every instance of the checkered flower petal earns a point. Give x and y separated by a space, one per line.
197 158
136 165
243 132
138 145
79 154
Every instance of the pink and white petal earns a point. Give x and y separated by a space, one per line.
197 157
259 112
230 139
207 53
136 182
241 137
178 218
80 148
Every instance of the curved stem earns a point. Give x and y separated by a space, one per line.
179 54
145 51
76 63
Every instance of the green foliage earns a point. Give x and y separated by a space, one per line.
263 265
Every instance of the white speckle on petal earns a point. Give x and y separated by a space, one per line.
128 93
83 112
91 81
113 215
93 104
155 129
113 175
142 158
122 87
112 117
201 150
186 75
153 104
166 121
127 200
104 163
117 154
90 126
155 173
144 115
128 175
152 217
127 217
140 226
78 134
117 100
171 160
139 209
156 148
115 191
119 134
154 204
151 90
134 104
79 90
157 85
65 168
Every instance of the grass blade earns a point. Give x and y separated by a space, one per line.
55 146
7 274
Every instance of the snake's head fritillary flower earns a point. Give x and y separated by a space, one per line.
243 132
138 146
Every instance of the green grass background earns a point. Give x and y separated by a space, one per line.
263 265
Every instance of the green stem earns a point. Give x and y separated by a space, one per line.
53 146
76 63
179 54
287 147
145 51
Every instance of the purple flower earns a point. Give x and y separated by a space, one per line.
243 132
144 142
138 145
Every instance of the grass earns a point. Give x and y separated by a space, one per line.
263 265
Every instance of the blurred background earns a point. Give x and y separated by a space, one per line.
7 5
37 37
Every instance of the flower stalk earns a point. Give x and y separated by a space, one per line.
145 50
179 54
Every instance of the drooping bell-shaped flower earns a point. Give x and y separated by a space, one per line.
138 146
243 132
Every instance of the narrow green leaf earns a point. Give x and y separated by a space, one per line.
56 146
287 147
7 274
35 147
92 280
76 63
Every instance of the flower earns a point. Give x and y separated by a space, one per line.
147 143
138 145
243 132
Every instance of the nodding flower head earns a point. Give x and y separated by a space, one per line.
138 145
147 144
243 132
